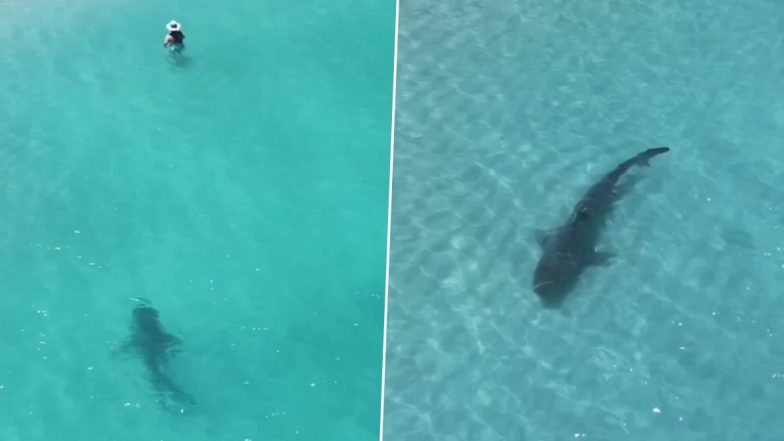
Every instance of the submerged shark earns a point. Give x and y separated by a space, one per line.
570 249
156 347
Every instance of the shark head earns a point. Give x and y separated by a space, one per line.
555 276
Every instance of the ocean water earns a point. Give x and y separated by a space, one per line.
242 189
507 111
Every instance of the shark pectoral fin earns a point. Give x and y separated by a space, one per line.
542 237
173 341
123 350
126 347
173 345
173 351
602 258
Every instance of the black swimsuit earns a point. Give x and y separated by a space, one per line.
177 37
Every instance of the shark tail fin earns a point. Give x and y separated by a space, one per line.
645 157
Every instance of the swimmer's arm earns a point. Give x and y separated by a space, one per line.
167 40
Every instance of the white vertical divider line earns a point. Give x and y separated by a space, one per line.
389 220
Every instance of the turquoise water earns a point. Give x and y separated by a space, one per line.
507 112
241 188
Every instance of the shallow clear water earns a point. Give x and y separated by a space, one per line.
507 112
241 188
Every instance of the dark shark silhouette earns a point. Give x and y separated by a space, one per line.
571 248
156 347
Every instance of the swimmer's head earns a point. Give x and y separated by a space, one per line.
173 26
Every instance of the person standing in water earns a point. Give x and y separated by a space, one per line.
175 39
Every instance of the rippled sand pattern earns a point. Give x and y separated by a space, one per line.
507 112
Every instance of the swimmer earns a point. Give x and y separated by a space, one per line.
175 39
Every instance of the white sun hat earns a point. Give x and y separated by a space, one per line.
173 26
